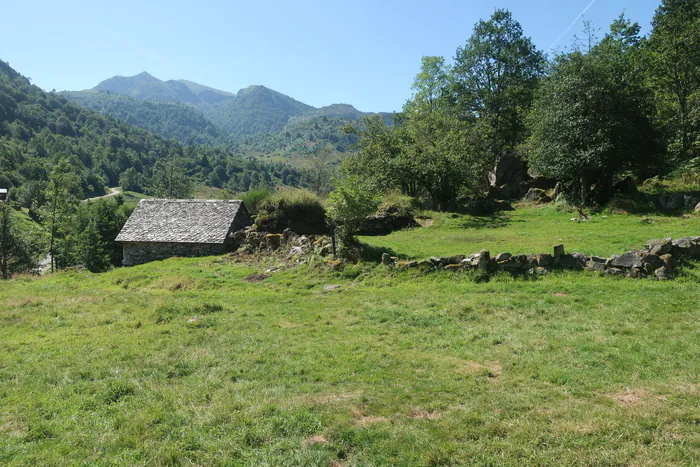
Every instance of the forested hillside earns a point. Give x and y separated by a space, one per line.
255 121
39 129
166 118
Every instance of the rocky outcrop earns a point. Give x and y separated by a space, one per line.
252 241
537 195
387 222
675 201
510 169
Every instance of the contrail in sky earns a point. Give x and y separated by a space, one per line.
570 26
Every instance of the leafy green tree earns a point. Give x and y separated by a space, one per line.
349 204
58 213
16 249
494 77
170 179
589 120
430 151
131 180
674 46
91 248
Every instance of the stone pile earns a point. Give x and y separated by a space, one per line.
657 259
253 241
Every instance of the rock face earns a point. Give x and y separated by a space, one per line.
510 169
537 195
671 201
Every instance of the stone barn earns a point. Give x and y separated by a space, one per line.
163 228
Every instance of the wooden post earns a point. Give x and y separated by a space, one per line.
333 240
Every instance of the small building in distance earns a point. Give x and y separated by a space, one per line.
165 228
3 194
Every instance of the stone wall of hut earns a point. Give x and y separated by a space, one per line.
143 252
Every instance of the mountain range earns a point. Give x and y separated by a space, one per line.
256 120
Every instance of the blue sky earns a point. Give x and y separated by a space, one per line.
361 52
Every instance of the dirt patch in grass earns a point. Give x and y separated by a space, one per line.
318 439
257 277
365 420
13 427
333 398
490 369
287 325
420 414
633 397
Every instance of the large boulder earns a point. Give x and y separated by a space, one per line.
697 207
386 222
627 186
595 266
686 246
659 246
671 201
627 260
690 200
569 262
537 195
510 169
652 262
482 260
544 260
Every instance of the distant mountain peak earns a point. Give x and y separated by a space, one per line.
145 74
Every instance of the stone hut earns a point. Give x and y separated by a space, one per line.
163 228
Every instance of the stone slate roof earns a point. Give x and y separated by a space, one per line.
180 221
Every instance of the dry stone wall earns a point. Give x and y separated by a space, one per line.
657 259
250 241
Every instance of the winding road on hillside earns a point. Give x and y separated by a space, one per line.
112 192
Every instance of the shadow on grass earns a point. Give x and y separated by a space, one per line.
647 204
487 222
374 253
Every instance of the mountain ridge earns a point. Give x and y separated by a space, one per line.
256 121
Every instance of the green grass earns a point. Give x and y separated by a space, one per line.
211 192
534 229
391 368
131 197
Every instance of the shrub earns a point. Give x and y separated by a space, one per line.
396 204
254 198
294 208
395 212
349 205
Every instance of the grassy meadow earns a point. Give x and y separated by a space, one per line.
535 229
213 361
